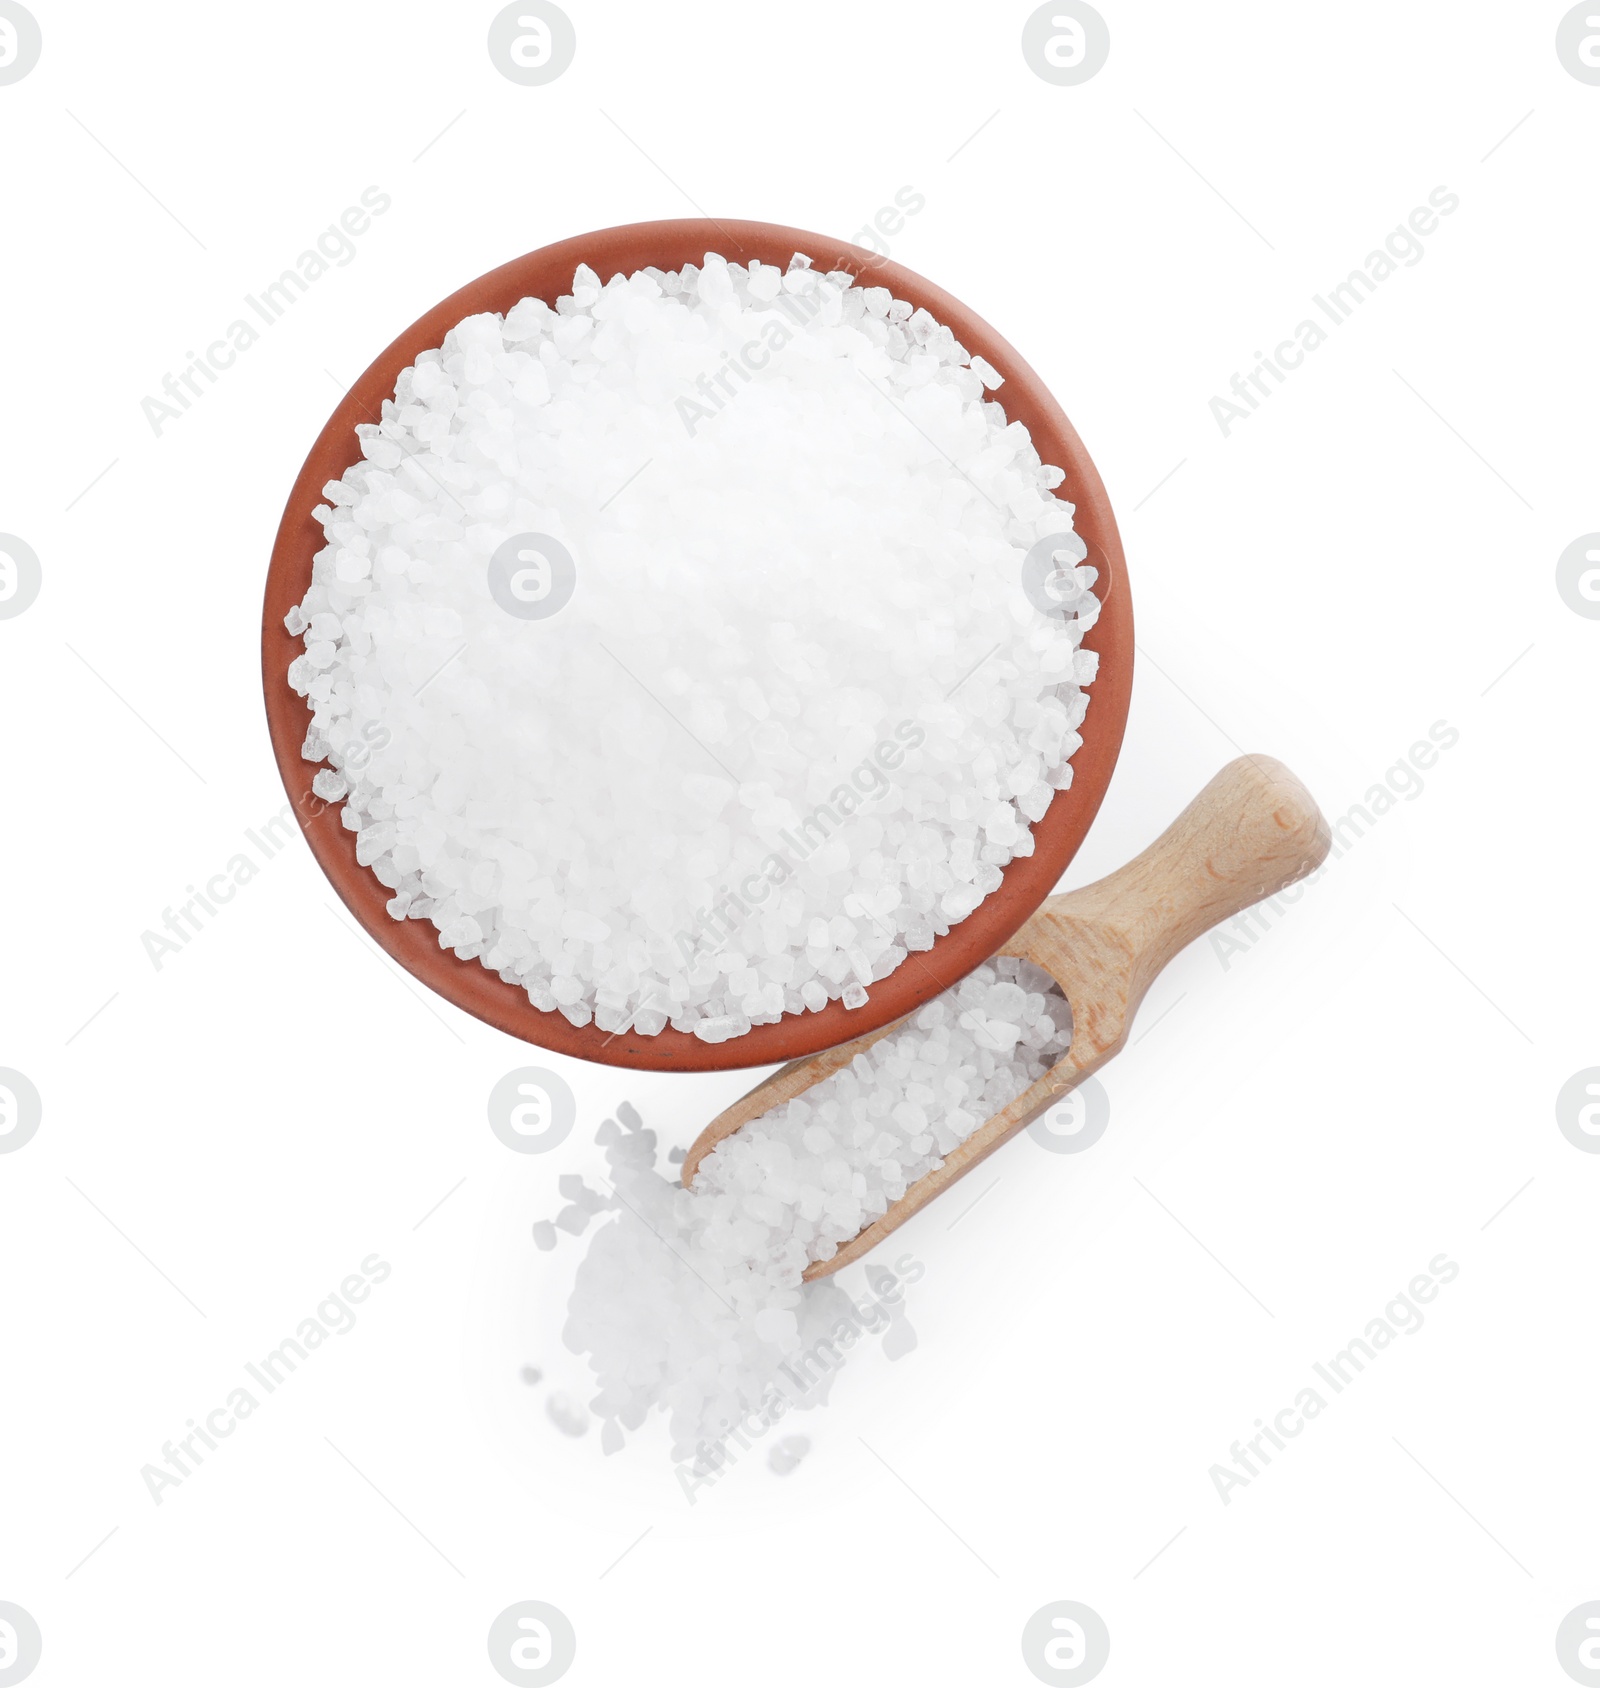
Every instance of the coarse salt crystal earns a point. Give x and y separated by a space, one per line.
788 665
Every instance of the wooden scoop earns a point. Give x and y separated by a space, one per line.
1252 831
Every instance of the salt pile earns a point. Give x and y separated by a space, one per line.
669 652
691 1301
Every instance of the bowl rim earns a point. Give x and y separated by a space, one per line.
1026 882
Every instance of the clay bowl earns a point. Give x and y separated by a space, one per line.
471 986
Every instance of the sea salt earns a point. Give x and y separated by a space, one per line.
570 1417
669 652
691 1301
787 1453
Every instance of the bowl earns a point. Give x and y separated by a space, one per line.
1025 883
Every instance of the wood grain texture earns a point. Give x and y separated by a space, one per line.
1253 830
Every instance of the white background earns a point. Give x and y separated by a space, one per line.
1369 1084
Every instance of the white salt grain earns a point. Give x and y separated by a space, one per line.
570 1417
692 1301
786 1454
796 682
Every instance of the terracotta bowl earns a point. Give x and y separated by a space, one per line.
470 985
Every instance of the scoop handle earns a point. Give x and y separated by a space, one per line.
1253 830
